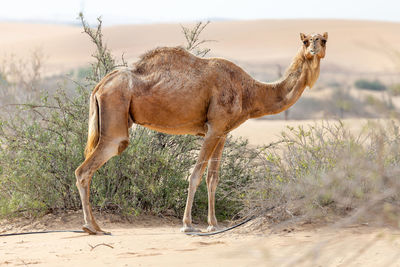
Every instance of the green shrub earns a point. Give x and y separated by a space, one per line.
375 85
41 145
83 73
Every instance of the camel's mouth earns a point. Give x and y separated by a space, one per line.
314 51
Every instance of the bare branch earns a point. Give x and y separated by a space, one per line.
193 41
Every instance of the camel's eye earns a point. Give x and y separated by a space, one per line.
305 42
323 42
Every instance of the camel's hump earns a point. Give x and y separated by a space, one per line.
164 56
165 51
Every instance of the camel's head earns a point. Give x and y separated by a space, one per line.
314 44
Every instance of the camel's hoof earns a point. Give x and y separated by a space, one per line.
91 231
189 229
212 228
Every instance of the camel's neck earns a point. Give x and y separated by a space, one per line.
272 98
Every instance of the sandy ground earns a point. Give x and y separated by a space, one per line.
157 242
261 132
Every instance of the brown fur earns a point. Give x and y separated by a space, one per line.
93 131
172 91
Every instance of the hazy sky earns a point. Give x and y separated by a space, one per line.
152 11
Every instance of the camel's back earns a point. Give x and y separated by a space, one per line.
168 59
175 68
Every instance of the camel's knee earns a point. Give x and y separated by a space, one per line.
80 181
78 173
194 182
113 147
209 179
212 178
81 177
102 153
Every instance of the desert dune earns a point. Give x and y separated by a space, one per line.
363 46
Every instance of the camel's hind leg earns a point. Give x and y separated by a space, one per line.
212 182
113 140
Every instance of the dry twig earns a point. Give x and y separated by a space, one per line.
101 244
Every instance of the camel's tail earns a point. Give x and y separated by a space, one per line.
93 132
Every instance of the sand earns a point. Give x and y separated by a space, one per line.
261 132
153 241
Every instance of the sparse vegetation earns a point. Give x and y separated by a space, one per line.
325 172
193 41
343 100
394 89
374 85
20 79
104 61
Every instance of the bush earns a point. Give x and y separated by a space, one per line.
323 172
375 85
41 145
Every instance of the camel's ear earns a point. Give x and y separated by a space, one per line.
302 36
325 35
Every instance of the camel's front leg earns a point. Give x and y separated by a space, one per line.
210 143
212 182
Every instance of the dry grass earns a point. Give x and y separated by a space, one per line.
324 172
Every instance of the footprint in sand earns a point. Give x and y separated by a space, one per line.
136 254
186 249
201 243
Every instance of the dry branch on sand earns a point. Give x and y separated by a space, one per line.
101 244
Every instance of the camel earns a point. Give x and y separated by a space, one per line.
172 91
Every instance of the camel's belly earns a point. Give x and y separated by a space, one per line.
170 115
193 129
